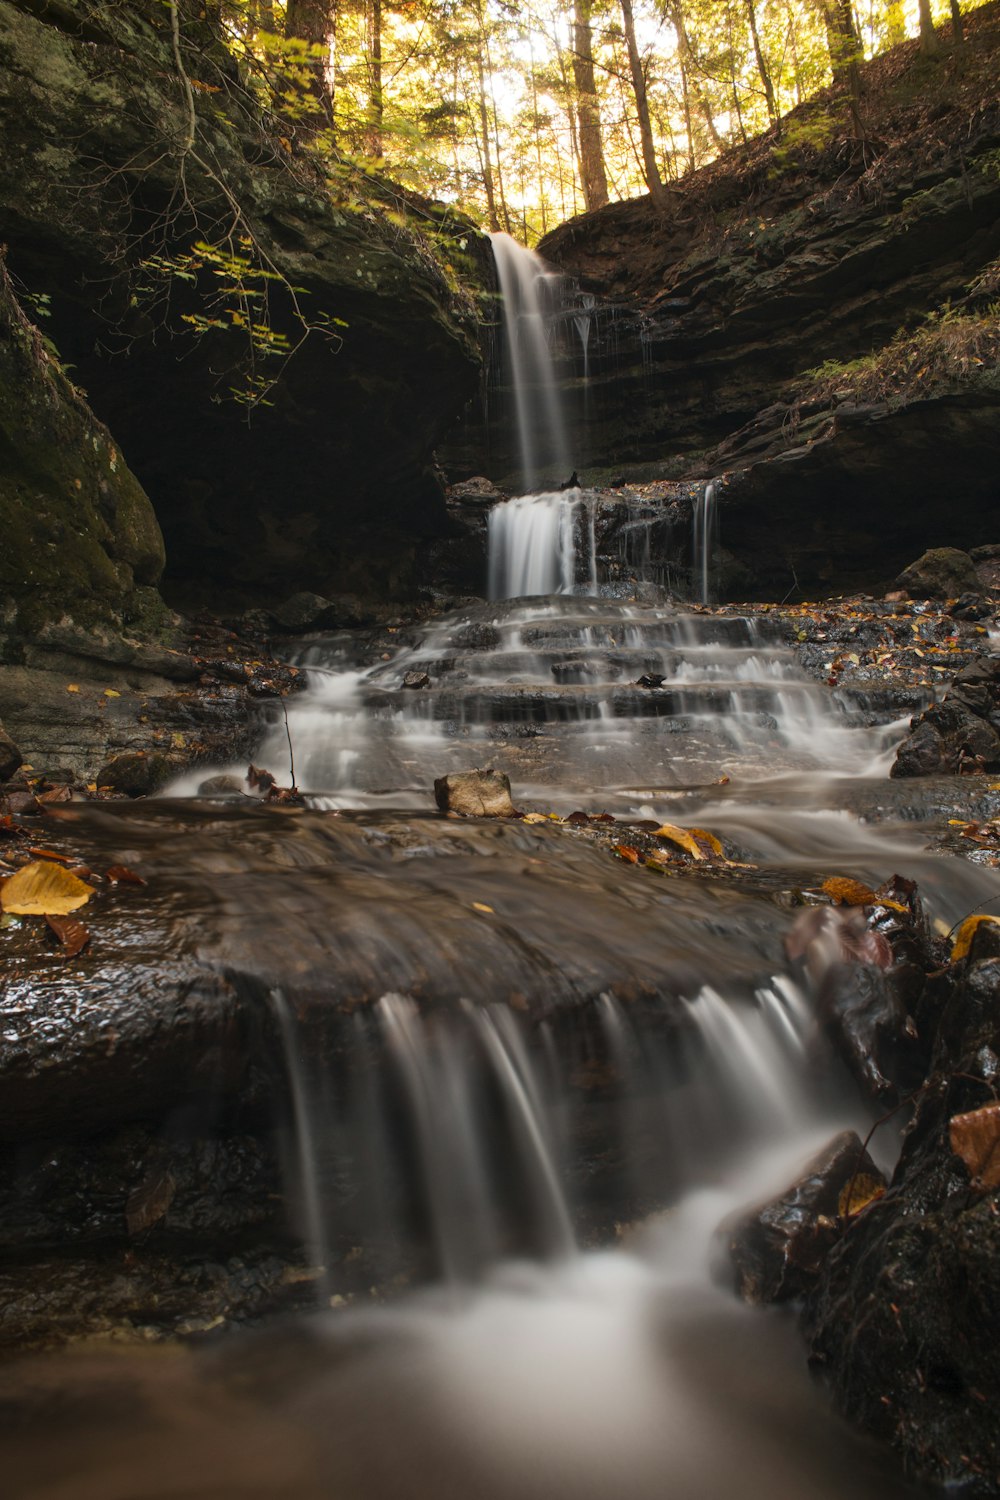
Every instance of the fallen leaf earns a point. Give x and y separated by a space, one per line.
535 818
683 839
110 693
627 853
975 1137
846 892
965 934
858 1194
37 853
704 837
122 875
57 794
44 888
148 1203
72 687
481 906
71 933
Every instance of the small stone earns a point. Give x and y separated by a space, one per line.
416 680
777 1250
478 794
970 607
650 680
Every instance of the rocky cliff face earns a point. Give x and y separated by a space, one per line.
189 249
79 534
803 250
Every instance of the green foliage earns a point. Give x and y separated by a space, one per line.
801 138
234 293
950 349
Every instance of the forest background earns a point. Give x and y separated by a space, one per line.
522 115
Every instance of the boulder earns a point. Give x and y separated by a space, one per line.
137 773
902 1321
416 680
478 794
78 532
962 732
777 1250
941 573
10 756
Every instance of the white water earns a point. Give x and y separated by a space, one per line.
530 292
532 545
705 540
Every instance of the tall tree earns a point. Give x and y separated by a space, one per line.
650 166
928 36
762 68
592 169
313 22
375 115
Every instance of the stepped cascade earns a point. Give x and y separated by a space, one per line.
519 1080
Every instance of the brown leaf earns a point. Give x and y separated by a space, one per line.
627 853
57 794
259 779
44 889
975 1137
71 933
846 892
122 875
148 1203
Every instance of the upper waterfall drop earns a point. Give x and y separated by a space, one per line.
530 292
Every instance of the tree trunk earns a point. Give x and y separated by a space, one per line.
650 167
312 21
844 46
593 173
928 36
957 27
376 102
762 68
484 125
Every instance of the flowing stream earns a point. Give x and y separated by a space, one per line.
552 1074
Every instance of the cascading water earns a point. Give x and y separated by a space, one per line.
704 540
502 1046
530 293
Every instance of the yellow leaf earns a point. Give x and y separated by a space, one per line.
858 1194
535 818
71 687
965 935
110 693
682 838
481 906
44 889
704 837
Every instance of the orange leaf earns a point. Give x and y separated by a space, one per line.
965 935
627 853
975 1137
845 892
682 838
122 875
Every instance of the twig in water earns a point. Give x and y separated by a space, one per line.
291 751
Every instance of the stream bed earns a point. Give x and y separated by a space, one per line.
518 1081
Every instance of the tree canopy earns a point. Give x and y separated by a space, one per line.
522 115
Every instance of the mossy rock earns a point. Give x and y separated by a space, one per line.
79 534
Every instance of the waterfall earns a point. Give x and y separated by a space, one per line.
529 292
532 545
705 540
